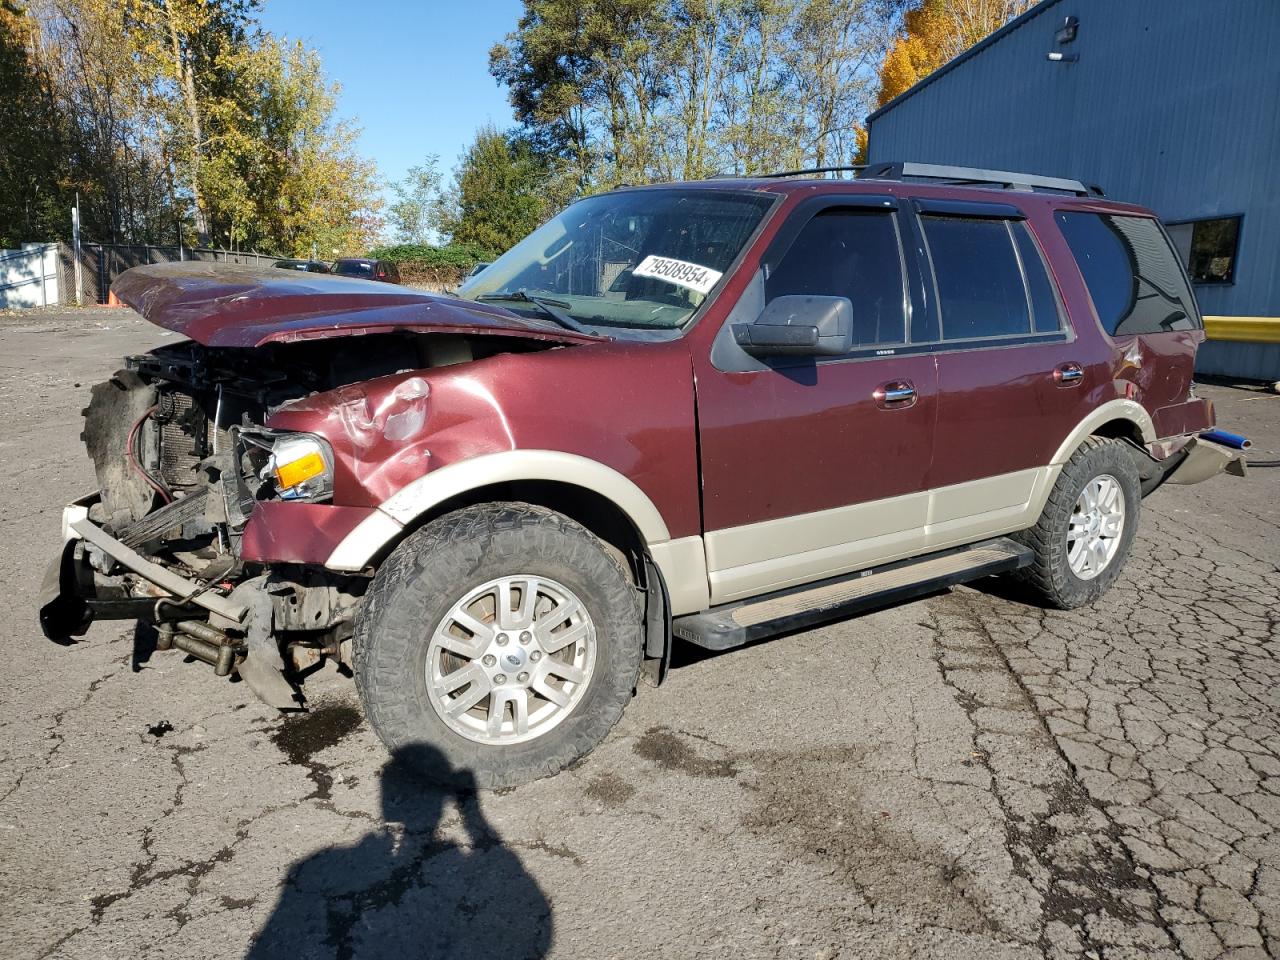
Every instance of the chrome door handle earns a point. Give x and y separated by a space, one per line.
895 394
1069 374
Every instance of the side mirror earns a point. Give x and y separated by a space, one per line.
799 326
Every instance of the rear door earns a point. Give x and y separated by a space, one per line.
812 468
1012 382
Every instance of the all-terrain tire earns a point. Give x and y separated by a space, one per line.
1050 574
433 569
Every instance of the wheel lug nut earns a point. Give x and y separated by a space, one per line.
523 678
526 637
489 660
500 678
535 656
502 639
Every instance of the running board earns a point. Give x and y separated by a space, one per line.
733 624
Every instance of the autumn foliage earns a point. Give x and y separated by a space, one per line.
174 120
935 32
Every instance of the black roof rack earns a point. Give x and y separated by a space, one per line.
899 170
858 168
939 173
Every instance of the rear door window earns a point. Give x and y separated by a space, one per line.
1133 276
1046 312
854 254
979 278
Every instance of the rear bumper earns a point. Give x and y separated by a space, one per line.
1202 459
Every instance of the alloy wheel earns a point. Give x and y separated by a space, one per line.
1095 527
511 659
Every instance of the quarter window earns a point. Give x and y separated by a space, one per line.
978 276
1134 279
854 254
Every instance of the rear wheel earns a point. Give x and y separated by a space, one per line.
506 637
1084 533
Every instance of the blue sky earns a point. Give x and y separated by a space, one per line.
414 75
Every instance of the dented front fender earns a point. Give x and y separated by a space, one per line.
626 407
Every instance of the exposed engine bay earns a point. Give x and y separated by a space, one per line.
183 457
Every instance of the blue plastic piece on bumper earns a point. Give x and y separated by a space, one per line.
1232 440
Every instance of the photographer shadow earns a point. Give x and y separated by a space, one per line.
404 891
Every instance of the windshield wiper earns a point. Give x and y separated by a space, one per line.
555 309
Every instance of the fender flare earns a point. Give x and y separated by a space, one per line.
1129 410
406 505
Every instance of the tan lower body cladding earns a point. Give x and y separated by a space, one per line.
774 554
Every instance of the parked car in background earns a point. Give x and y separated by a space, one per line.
712 411
306 266
366 269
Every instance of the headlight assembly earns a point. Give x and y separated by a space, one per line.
301 466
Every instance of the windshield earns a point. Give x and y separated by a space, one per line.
634 258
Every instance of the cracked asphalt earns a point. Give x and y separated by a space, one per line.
965 776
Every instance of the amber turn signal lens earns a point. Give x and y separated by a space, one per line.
299 471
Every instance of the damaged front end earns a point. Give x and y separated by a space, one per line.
183 461
213 525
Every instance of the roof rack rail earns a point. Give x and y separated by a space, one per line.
899 170
856 168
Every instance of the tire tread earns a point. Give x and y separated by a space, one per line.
1049 574
459 539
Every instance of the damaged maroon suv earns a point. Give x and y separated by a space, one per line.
708 411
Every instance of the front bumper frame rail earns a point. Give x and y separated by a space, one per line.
179 587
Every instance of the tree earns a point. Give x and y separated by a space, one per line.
415 214
184 119
935 32
34 180
755 108
249 119
584 79
115 154
625 91
283 173
192 48
498 195
833 55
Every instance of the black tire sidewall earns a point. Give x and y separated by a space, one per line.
440 564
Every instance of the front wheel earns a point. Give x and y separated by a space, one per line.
1084 533
505 637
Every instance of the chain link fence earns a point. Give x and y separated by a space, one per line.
101 263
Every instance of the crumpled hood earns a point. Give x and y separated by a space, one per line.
224 305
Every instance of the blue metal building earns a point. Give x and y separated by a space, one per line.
1173 104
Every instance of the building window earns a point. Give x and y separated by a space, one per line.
1208 248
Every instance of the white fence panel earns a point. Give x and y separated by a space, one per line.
29 277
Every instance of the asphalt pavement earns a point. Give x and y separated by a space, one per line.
964 776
